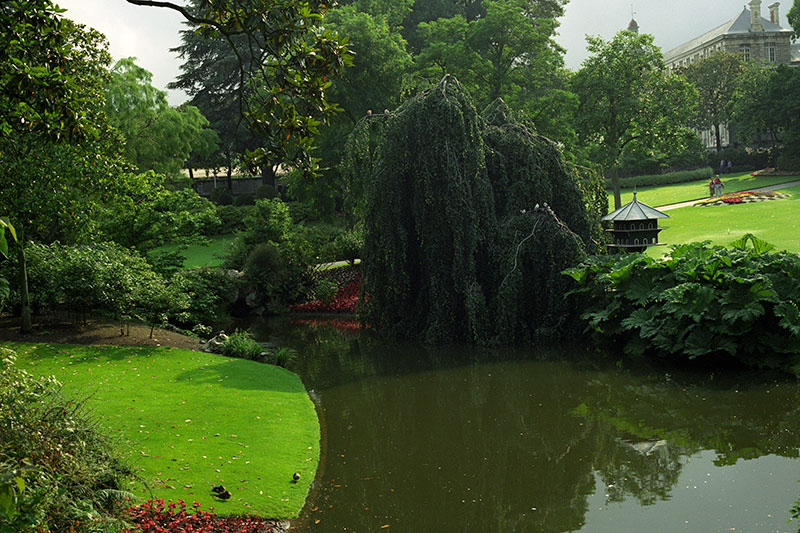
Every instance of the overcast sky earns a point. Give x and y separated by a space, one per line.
148 33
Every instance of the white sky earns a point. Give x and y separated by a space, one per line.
148 33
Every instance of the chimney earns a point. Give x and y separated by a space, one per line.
755 16
773 13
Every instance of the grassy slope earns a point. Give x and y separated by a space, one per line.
190 420
199 255
695 190
776 221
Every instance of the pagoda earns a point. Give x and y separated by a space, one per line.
635 226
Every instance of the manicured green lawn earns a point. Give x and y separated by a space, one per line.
189 420
775 221
695 190
200 255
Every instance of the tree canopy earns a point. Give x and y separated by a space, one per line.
285 61
157 136
461 241
715 77
627 96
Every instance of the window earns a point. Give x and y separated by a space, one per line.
744 49
644 241
769 52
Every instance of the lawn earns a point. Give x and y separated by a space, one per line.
682 192
200 255
188 420
775 221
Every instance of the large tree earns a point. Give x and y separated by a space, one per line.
715 77
51 72
157 137
509 53
627 96
794 18
469 221
766 102
285 61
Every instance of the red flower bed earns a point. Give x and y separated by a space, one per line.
344 301
732 199
349 326
156 516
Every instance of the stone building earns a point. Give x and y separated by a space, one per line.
750 35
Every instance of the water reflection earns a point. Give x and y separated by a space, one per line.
466 439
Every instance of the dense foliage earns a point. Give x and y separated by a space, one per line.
699 302
283 62
628 98
102 277
453 224
58 470
157 137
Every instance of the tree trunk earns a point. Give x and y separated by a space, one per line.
615 185
267 175
27 324
230 172
191 174
719 139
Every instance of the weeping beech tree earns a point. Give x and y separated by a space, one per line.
456 247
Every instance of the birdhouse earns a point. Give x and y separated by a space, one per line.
635 226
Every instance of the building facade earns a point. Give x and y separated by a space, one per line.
751 36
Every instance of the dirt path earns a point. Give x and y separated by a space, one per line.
692 202
96 331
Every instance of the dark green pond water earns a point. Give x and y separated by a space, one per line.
466 439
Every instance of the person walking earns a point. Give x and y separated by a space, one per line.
722 166
718 185
730 166
711 187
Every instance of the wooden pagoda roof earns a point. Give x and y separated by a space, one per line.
635 210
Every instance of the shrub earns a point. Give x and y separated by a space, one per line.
58 472
232 217
221 196
349 246
325 290
682 176
242 345
699 302
266 191
211 292
101 277
244 199
283 356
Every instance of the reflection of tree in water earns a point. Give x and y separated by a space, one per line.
431 439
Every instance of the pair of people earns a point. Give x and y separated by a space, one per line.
723 166
715 186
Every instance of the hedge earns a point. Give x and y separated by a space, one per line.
681 176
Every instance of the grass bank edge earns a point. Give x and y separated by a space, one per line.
189 420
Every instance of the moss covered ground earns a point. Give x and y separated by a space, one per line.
188 421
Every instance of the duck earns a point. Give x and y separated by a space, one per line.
219 490
295 477
224 495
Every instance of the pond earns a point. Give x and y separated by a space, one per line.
470 439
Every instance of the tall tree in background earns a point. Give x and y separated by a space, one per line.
626 96
285 62
507 53
715 77
158 137
794 18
